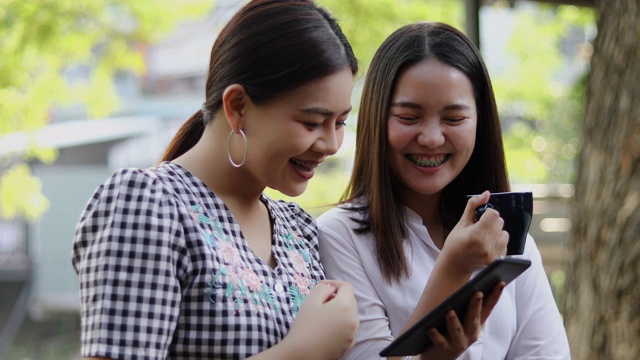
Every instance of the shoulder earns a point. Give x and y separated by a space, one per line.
133 210
135 184
339 227
131 192
135 181
342 216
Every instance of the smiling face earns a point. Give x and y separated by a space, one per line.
431 127
291 135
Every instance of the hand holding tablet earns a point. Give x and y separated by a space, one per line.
415 340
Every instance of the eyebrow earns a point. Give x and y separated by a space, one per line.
456 107
412 105
322 111
406 104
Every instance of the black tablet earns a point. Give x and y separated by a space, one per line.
415 340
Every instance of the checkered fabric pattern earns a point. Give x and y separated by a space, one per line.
165 273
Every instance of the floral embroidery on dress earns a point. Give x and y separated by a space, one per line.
301 260
243 283
247 288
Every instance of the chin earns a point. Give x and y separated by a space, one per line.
427 190
294 191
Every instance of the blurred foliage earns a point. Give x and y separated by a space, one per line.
58 52
539 95
66 52
21 193
366 23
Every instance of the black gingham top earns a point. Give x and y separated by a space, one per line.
165 273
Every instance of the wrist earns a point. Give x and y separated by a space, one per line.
447 264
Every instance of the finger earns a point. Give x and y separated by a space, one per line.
468 216
501 244
321 293
345 300
492 216
457 336
342 287
438 339
329 282
490 301
493 225
472 323
336 283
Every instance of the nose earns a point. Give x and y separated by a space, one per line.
431 134
329 141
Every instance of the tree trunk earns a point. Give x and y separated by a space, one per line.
602 299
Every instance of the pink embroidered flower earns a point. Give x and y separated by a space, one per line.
229 253
253 281
194 214
232 274
303 284
299 264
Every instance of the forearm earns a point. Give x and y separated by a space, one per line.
444 280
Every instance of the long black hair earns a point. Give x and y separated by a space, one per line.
372 177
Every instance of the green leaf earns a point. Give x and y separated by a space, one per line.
43 41
21 194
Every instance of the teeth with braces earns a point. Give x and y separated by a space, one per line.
308 166
426 162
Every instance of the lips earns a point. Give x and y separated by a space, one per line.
304 165
428 161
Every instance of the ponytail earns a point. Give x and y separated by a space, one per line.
186 137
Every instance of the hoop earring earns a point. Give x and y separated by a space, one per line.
244 157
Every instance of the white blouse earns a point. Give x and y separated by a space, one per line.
525 324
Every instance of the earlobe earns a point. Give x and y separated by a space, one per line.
234 102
